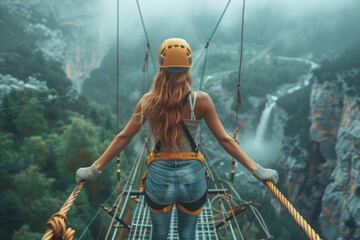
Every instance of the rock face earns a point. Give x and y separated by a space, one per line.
324 181
70 32
341 201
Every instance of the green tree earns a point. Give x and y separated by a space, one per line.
12 212
7 154
36 193
35 149
31 121
78 147
24 233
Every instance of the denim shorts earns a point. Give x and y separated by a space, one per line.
175 181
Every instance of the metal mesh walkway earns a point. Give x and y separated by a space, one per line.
141 224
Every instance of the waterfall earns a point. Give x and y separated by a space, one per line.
264 120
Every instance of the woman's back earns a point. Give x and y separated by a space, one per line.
191 122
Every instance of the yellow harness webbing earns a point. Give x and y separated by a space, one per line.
181 156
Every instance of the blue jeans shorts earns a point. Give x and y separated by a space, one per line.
168 182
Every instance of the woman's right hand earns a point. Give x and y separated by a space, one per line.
87 173
263 174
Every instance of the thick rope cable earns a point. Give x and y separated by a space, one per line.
146 35
310 233
56 226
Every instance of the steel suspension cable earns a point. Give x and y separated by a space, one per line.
117 97
254 210
218 195
212 34
128 216
96 214
128 194
238 100
146 35
119 199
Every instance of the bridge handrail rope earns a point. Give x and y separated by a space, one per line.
310 233
56 225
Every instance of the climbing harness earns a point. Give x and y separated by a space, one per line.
181 156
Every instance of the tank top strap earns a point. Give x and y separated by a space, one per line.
192 106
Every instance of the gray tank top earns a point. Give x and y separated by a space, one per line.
193 127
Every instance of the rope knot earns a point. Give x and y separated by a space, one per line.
238 98
207 43
235 134
57 223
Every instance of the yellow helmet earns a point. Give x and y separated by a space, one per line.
175 55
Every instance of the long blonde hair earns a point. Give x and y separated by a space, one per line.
162 106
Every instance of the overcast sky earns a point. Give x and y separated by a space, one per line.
170 18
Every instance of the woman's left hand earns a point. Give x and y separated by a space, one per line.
87 173
263 174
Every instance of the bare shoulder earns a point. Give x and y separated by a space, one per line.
203 96
203 104
204 100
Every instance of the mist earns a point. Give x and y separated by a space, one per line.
290 25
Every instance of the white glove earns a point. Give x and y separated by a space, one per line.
87 173
263 174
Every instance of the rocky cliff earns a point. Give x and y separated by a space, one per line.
323 172
70 32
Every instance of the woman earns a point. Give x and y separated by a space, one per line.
175 169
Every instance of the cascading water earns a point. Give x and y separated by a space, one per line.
264 120
267 150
